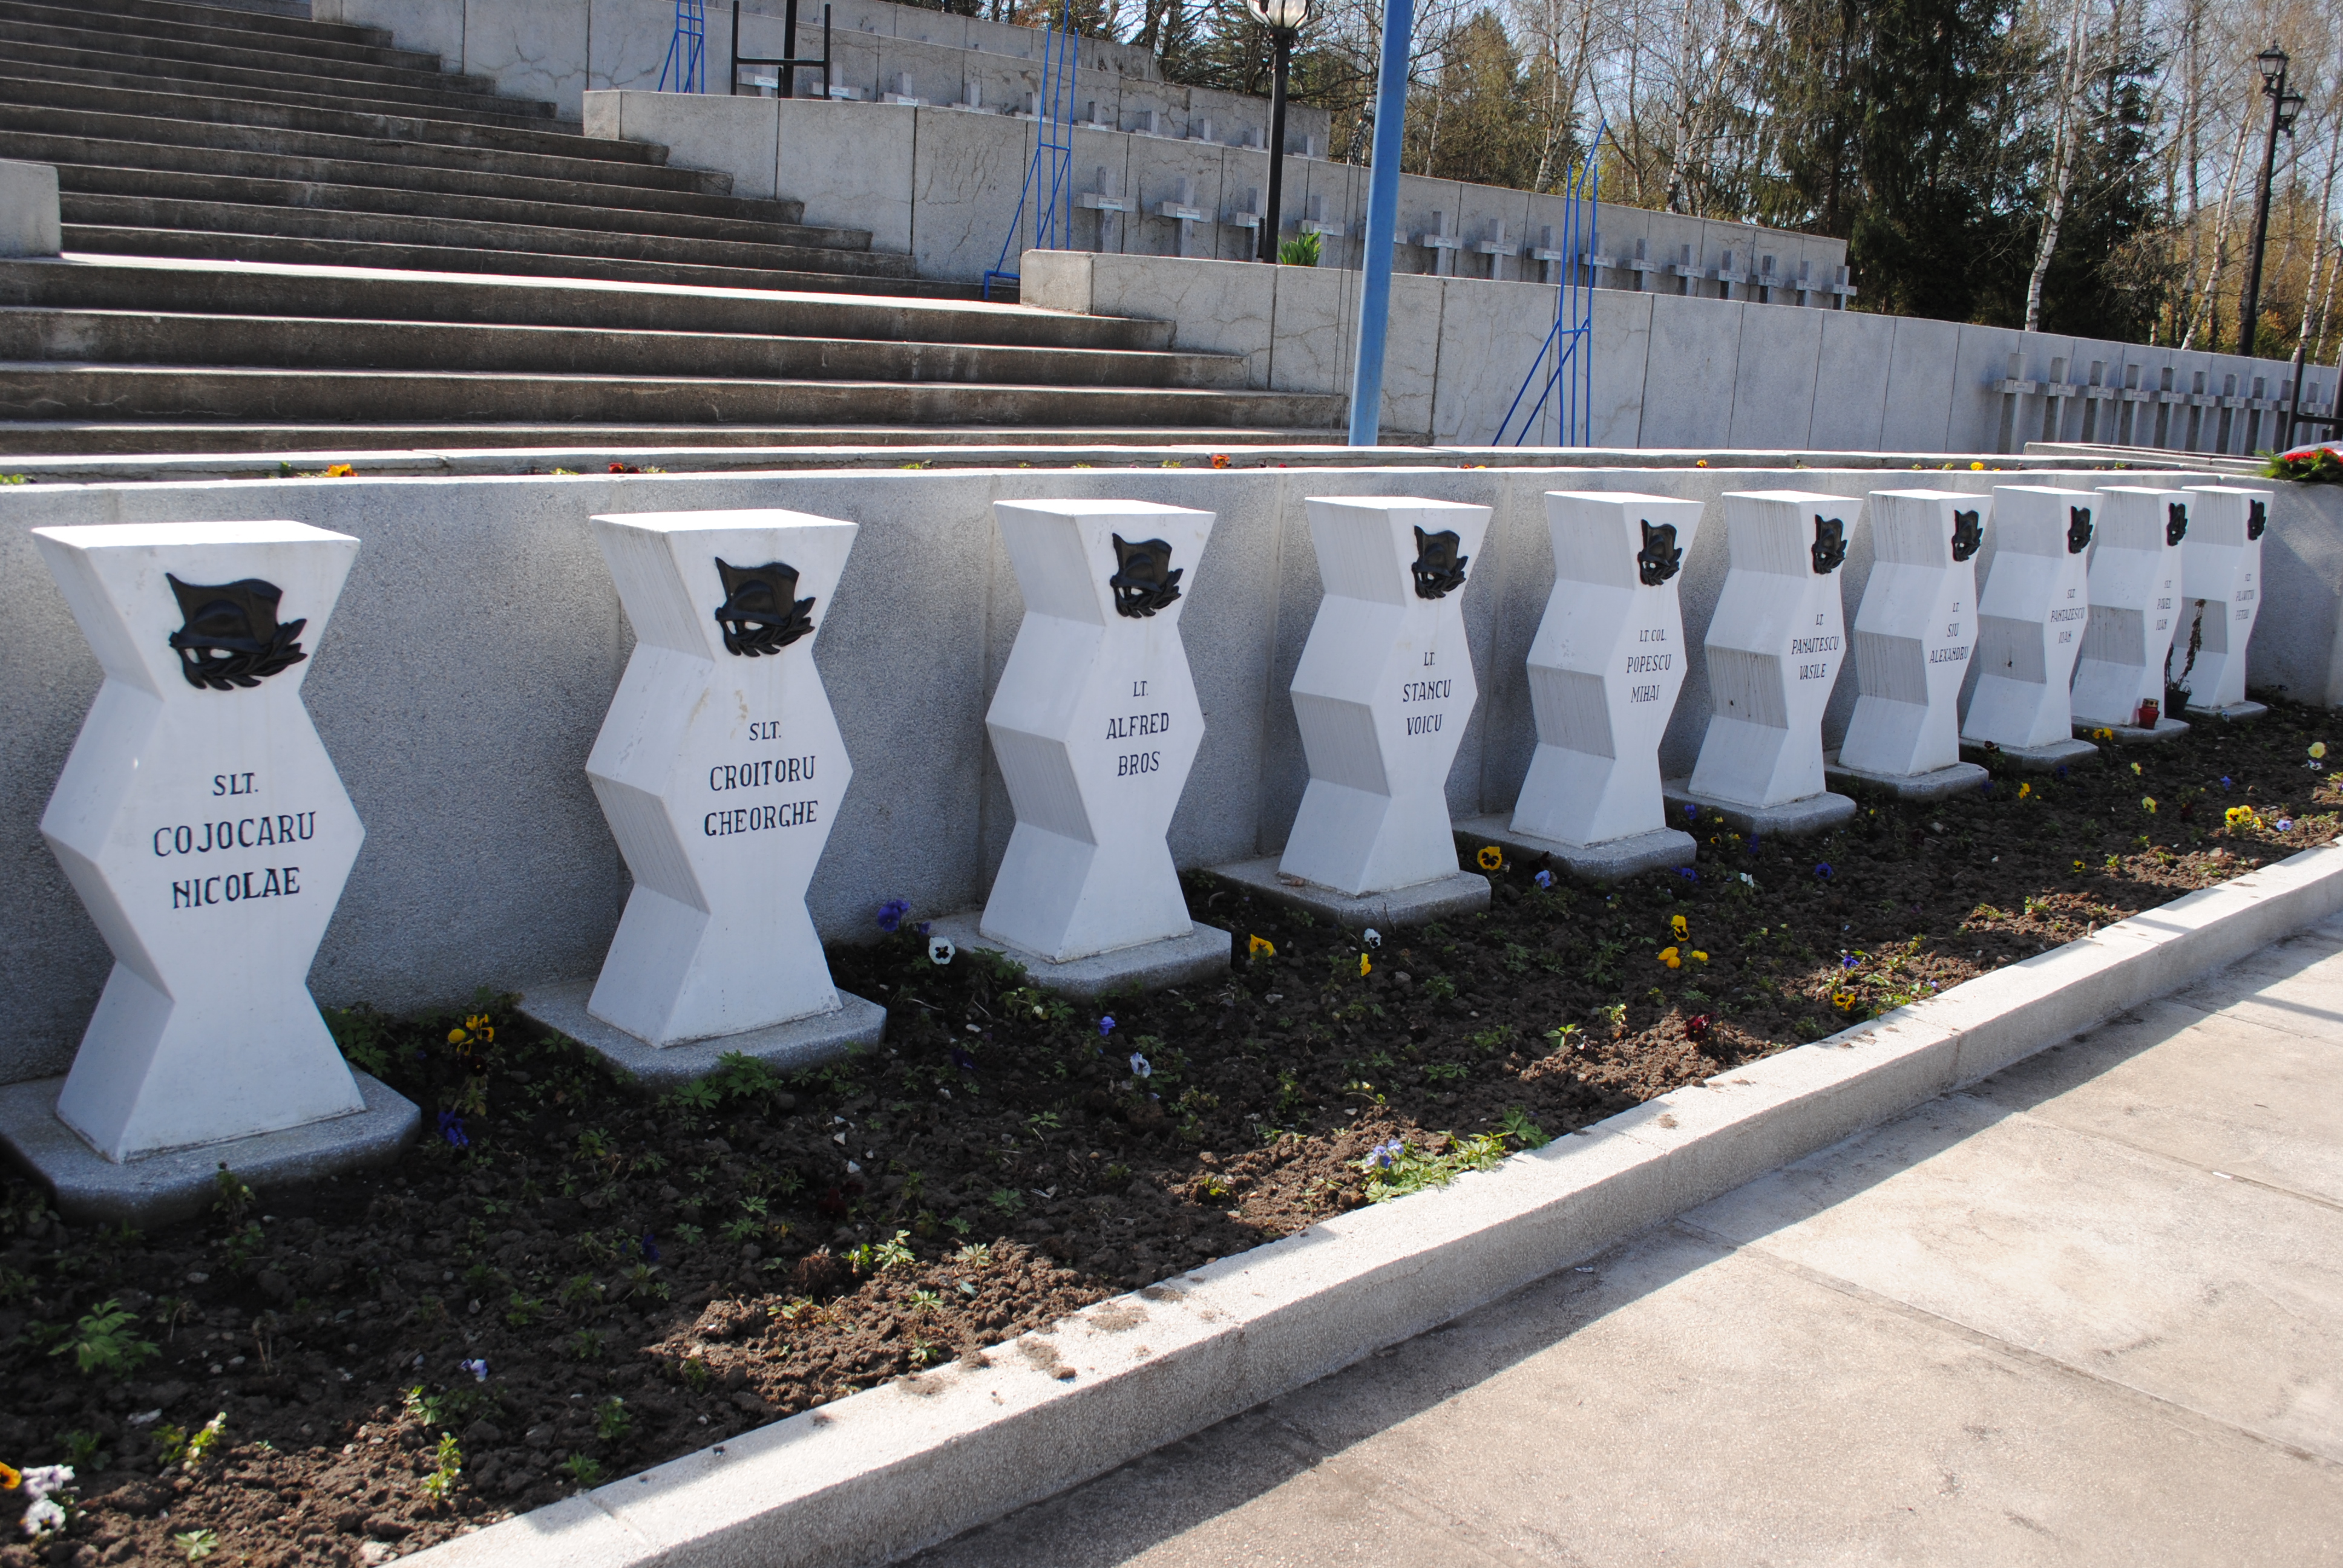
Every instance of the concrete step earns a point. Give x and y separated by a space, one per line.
280 153
300 251
165 92
101 166
48 392
581 449
251 342
348 219
285 18
142 41
321 89
222 30
340 293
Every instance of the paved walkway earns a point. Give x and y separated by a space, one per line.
2090 1311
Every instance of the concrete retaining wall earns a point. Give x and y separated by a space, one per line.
558 50
1672 371
479 642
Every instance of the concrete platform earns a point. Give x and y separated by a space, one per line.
784 1048
2132 734
1939 784
2236 712
1202 954
1464 893
2038 759
1661 850
2085 1311
1792 818
89 1189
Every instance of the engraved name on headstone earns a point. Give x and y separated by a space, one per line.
1914 631
2035 606
2221 564
2136 603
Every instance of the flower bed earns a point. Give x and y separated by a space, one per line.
565 1281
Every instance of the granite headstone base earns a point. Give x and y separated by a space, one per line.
1458 893
1200 955
2236 712
785 1047
1792 818
1937 784
2132 734
1662 849
89 1189
2036 758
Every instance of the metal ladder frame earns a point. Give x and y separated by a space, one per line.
1053 139
1570 343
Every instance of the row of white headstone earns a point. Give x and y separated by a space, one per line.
204 826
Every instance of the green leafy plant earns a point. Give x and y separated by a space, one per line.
105 1344
198 1545
1446 1072
1394 1169
583 1469
586 1345
2317 467
696 1373
611 1420
175 1446
230 1196
1299 251
85 1452
1439 988
446 1468
1008 1199
872 1259
522 1310
1522 1130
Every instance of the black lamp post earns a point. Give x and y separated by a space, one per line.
2285 105
1284 19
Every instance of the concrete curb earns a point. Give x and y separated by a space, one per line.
903 1466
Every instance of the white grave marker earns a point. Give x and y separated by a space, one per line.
2221 564
1606 666
1095 725
1383 691
720 770
204 826
1775 647
2136 591
1914 632
2035 605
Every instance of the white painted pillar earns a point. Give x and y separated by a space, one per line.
204 826
1095 725
1914 631
2221 564
2034 604
1606 666
1383 691
720 770
2135 583
1774 647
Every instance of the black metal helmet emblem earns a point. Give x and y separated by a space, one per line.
1830 543
2176 523
2256 518
1969 534
1439 570
2078 530
1145 580
231 637
762 612
1659 559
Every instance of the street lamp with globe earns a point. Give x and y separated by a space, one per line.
1284 19
2285 105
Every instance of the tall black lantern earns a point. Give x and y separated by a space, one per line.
2285 105
1284 19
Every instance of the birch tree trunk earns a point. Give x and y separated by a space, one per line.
2062 172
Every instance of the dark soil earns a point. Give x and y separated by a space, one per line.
636 1279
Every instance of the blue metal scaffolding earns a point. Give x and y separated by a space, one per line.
1564 370
687 50
1053 145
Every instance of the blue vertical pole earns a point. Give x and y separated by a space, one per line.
1383 220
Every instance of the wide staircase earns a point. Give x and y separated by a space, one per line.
288 235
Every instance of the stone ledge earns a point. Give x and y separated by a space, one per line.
1458 893
2047 758
1662 849
1202 954
884 1473
2132 734
784 1048
2236 712
90 1189
1792 818
1937 784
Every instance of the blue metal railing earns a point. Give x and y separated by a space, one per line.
1565 360
1053 144
687 50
